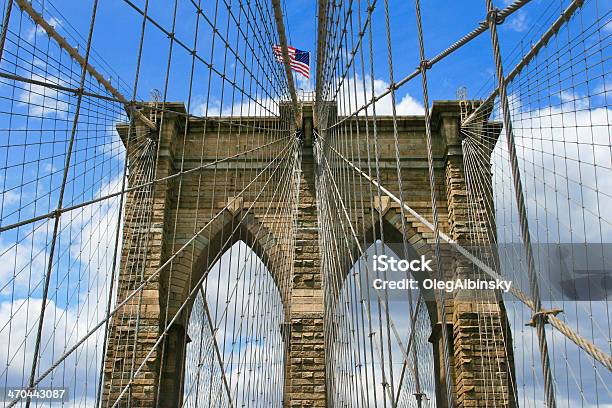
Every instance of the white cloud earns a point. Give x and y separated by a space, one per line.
352 97
604 90
406 105
303 83
94 229
519 22
572 100
9 198
243 107
62 328
77 297
49 168
37 30
565 163
21 266
43 101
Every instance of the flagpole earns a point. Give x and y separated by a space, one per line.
309 84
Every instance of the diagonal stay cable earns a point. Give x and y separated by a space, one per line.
146 282
83 61
54 239
217 354
482 27
56 213
538 318
533 52
361 251
599 355
194 290
136 104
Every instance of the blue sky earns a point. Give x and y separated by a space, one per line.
117 32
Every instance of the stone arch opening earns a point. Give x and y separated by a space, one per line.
418 245
244 226
408 337
235 347
228 228
239 247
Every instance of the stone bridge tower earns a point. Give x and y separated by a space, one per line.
295 265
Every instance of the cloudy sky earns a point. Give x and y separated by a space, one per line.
552 112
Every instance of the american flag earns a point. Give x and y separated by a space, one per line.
300 60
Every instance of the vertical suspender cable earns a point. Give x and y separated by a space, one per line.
432 185
60 202
539 319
